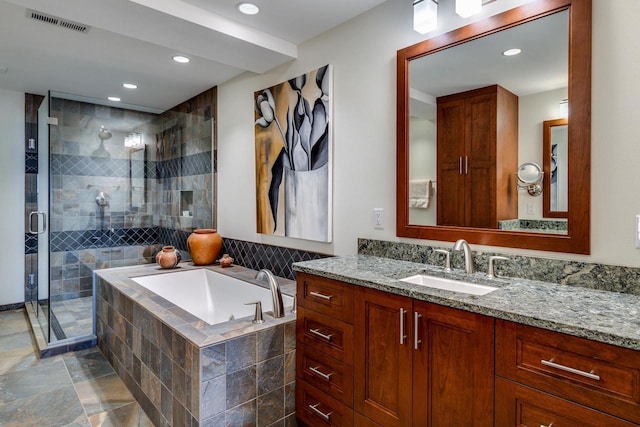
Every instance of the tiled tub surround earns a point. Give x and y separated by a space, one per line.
573 273
609 317
184 371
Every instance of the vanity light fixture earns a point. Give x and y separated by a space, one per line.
425 15
113 98
512 52
129 86
248 8
467 8
181 59
564 108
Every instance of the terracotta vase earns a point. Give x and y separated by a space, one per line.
225 261
168 257
204 246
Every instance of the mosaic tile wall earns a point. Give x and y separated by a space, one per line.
275 258
249 380
574 273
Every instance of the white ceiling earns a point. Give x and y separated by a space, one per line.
134 40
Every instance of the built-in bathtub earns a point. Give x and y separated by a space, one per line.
186 368
209 295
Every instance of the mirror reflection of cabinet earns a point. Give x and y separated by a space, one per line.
555 166
477 144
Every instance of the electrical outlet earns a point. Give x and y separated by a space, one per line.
637 231
530 209
378 218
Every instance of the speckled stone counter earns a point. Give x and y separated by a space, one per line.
608 317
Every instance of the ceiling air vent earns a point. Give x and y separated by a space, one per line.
59 22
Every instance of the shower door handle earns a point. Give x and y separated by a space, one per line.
44 222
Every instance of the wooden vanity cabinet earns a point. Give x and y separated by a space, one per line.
421 364
477 156
546 377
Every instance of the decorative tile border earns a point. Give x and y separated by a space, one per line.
589 275
77 240
275 258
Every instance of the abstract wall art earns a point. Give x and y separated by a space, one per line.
293 157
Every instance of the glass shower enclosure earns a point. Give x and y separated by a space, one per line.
113 186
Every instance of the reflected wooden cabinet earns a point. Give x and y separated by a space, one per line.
477 155
421 364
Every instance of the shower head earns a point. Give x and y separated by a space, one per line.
104 133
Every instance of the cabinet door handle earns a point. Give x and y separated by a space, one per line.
403 336
326 417
318 372
319 295
466 165
416 327
460 165
591 375
320 334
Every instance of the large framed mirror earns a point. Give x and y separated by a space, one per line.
466 120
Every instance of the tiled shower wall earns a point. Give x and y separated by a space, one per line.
148 190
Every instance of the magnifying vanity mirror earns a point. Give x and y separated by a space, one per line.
468 116
530 177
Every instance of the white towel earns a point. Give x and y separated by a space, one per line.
420 193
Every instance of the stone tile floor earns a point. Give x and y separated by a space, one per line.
73 389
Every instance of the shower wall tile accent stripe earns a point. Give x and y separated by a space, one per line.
31 163
30 243
64 164
87 239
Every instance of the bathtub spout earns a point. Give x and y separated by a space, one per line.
278 306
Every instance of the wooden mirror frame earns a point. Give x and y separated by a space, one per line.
546 167
577 239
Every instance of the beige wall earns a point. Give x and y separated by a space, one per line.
12 196
363 54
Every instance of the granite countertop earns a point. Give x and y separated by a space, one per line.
604 316
189 326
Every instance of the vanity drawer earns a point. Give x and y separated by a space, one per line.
315 408
326 334
327 374
518 405
601 376
325 296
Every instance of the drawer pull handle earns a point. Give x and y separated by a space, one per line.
320 334
591 375
319 295
326 417
318 372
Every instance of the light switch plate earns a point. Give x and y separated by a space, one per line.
378 218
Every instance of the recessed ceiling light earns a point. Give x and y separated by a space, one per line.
248 8
129 86
512 52
113 98
181 59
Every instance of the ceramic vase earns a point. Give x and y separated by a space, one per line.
204 246
168 257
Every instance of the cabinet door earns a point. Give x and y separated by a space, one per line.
453 367
450 159
480 161
382 357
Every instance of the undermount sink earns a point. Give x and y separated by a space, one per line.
449 285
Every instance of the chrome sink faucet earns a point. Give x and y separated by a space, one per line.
276 295
468 256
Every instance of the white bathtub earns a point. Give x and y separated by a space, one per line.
210 296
